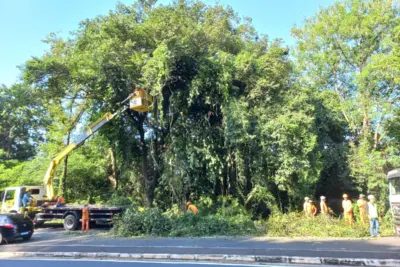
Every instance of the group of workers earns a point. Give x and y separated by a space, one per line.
367 210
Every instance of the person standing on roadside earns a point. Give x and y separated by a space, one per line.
26 200
306 205
347 210
372 212
85 218
312 209
362 207
323 206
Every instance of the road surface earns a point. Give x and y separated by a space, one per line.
84 263
55 239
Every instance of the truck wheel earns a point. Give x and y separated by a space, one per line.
70 223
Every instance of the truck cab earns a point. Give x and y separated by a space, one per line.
11 199
394 197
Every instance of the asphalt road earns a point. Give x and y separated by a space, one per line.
101 263
55 239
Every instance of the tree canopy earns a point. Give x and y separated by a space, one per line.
234 114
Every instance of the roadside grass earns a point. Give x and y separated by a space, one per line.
297 225
152 222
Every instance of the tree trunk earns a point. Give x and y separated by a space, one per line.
63 182
232 175
148 180
112 169
247 173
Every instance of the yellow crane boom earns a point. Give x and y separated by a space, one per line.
48 178
139 101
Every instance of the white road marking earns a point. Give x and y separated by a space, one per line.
144 261
36 244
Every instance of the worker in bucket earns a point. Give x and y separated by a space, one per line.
85 218
347 210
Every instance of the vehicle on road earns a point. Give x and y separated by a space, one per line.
14 226
394 197
42 208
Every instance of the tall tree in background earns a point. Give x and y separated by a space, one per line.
350 49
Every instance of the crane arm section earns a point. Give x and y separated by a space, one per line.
92 128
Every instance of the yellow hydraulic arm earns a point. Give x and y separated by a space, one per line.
48 178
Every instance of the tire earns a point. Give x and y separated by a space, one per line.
70 223
1 238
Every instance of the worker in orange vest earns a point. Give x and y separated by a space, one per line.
60 201
323 206
192 208
306 205
85 218
362 207
311 209
347 210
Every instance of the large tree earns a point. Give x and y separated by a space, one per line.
349 49
229 116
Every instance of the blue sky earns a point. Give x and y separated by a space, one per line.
25 23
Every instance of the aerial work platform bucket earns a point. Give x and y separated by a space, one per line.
141 101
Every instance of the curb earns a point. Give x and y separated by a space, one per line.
206 257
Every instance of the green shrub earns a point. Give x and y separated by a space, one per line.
212 225
117 200
149 222
297 225
154 223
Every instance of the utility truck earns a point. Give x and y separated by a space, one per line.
42 207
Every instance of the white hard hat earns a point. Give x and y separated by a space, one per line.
371 197
322 197
306 198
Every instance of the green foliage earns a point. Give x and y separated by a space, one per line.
118 200
153 222
213 225
22 120
149 222
342 50
238 127
296 225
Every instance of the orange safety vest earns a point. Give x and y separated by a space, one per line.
313 210
193 209
85 214
362 205
324 208
347 207
61 200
